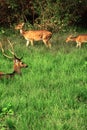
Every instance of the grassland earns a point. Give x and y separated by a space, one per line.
51 94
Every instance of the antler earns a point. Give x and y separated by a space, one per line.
11 51
3 52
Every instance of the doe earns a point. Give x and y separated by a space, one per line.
80 39
35 35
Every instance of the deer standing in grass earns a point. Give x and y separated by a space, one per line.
18 64
35 35
80 39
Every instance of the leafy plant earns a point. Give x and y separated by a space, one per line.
6 115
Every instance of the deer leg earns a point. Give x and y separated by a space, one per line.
78 44
49 44
45 42
32 42
27 43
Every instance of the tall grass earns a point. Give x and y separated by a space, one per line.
52 91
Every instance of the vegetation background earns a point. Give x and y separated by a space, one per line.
52 14
52 91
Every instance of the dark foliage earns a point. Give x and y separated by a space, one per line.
48 14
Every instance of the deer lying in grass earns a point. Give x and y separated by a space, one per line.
80 39
18 64
35 35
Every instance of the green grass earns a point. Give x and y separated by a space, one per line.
51 94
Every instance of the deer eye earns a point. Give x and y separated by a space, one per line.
22 63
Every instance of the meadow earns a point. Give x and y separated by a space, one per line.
51 94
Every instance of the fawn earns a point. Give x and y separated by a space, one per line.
35 35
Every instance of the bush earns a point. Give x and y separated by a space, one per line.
46 14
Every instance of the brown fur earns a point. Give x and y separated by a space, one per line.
35 35
80 39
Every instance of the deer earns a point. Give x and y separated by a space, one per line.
80 39
17 64
35 35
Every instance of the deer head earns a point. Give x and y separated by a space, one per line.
19 26
68 38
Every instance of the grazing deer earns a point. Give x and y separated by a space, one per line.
80 39
35 35
18 64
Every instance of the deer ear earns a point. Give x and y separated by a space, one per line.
70 35
23 24
15 57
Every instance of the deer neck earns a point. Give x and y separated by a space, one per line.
17 69
22 31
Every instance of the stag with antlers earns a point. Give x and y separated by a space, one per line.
18 64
